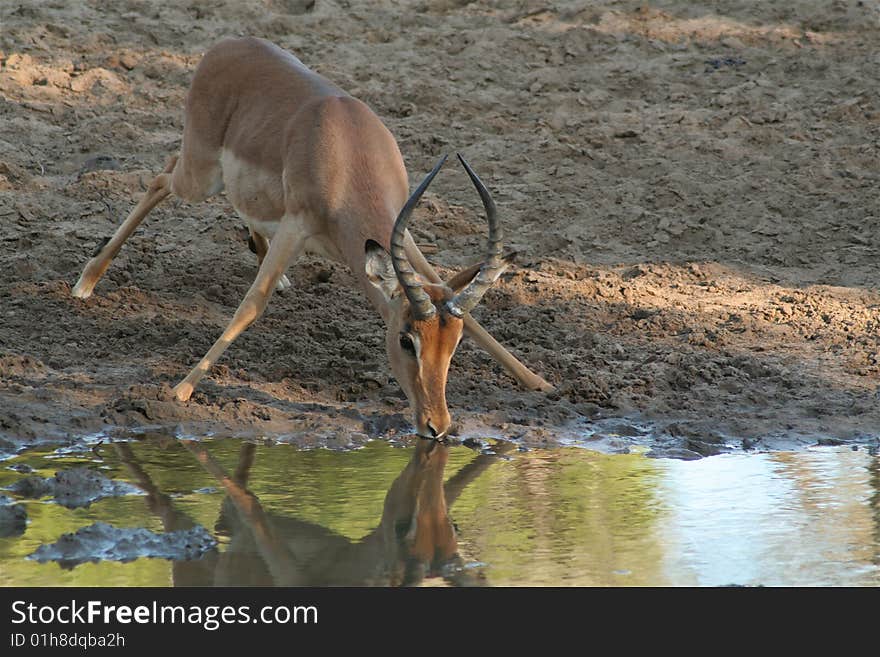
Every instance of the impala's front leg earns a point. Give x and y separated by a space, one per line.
283 250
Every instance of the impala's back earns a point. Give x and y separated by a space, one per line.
283 140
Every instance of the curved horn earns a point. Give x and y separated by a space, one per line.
468 298
422 306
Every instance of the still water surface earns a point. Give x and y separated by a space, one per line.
430 514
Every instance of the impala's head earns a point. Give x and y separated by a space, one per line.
424 320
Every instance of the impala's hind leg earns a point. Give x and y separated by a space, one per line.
92 272
283 250
260 245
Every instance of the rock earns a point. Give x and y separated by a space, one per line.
13 517
642 313
472 443
679 453
100 163
74 488
128 61
103 542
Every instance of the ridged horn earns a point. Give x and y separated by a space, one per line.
468 298
422 306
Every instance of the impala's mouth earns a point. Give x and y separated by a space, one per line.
429 432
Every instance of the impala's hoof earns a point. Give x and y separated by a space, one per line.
183 391
81 290
283 283
538 384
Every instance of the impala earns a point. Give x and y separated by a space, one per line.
309 167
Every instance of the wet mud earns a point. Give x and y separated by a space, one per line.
691 188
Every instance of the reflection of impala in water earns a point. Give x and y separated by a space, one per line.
415 537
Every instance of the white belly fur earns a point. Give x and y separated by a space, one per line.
256 193
264 228
317 245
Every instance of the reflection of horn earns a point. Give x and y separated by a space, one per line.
245 462
468 298
458 482
422 306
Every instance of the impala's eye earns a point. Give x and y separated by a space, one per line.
407 344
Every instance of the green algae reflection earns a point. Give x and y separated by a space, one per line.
536 517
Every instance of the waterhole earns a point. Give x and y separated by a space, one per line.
225 512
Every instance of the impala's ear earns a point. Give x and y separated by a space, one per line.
380 271
458 282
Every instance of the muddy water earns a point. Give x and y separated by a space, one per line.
388 514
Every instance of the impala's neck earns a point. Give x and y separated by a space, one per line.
375 230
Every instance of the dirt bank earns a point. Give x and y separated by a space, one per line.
692 188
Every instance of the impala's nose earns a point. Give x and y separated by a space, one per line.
433 427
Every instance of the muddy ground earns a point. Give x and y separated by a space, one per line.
692 187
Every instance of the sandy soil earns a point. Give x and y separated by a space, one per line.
692 187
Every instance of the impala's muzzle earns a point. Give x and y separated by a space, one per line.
436 425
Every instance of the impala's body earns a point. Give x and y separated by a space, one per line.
280 158
308 167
